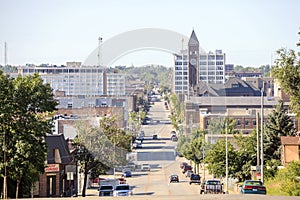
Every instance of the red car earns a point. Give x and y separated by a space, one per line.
122 180
187 167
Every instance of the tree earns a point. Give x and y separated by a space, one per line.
289 178
23 119
246 155
101 146
279 124
217 162
287 72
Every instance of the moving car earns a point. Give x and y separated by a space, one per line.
122 180
174 178
213 186
126 174
253 187
154 137
145 167
122 190
106 190
195 178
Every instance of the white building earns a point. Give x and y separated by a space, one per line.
212 67
74 80
180 78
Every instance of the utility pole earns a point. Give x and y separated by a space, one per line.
257 139
262 134
226 138
4 139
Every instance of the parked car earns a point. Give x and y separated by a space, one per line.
195 178
139 145
174 138
253 187
188 173
122 190
213 186
186 167
126 174
142 134
182 164
174 178
131 165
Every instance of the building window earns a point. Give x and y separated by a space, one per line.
254 122
246 122
238 122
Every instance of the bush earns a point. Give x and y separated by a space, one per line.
290 178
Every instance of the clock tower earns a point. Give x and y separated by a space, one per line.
193 58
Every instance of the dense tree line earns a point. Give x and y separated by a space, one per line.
25 103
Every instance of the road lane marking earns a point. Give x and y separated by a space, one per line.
147 184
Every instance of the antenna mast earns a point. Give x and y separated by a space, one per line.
99 51
5 54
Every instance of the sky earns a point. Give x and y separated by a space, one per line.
58 31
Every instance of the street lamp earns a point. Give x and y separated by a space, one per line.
261 134
226 146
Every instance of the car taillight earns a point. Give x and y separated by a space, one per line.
248 187
261 188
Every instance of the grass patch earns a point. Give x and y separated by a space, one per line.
273 188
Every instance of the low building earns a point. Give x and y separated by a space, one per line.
290 149
60 174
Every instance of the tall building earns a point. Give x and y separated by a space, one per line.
212 67
194 65
74 80
180 78
193 52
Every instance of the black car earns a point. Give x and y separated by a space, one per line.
174 178
195 178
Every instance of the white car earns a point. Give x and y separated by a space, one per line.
122 190
145 167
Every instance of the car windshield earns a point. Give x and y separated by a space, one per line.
255 183
213 182
106 187
122 187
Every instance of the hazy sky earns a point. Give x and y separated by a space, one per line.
57 31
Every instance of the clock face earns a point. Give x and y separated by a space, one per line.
193 61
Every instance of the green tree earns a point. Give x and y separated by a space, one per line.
216 159
176 111
23 119
289 178
101 146
246 155
279 124
286 71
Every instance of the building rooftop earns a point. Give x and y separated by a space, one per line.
290 140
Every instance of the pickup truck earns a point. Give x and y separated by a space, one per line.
212 186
